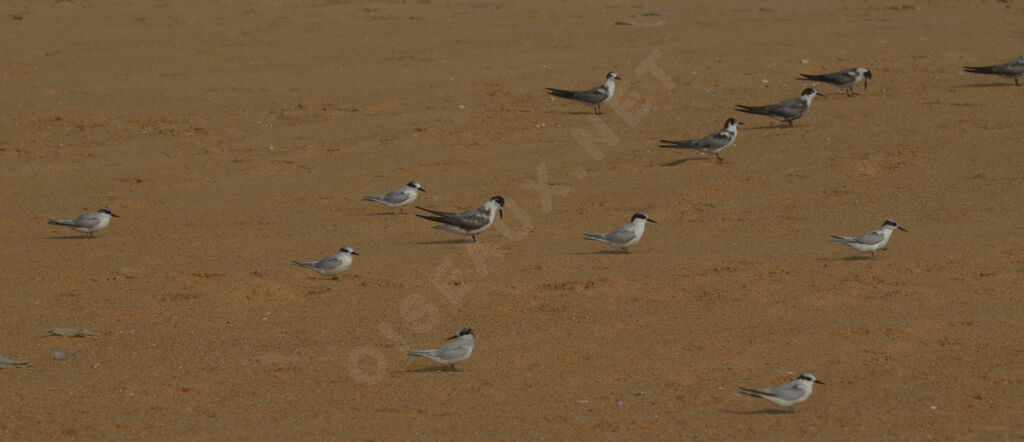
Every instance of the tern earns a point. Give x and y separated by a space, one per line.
788 394
88 223
398 198
331 265
845 79
470 222
1011 69
625 236
788 110
595 96
714 143
452 352
871 241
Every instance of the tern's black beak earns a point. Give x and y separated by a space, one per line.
651 221
818 382
422 189
501 214
115 216
739 122
901 228
354 253
819 94
453 337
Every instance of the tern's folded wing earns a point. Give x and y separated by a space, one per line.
872 237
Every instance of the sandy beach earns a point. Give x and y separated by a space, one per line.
234 137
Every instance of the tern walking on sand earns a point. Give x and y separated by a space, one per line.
713 144
470 222
452 352
625 236
1011 69
787 110
845 79
788 394
595 96
88 223
871 241
398 198
331 265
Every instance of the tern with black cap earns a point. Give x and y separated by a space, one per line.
844 79
452 352
470 222
787 110
713 144
625 236
871 241
595 96
398 198
788 394
87 223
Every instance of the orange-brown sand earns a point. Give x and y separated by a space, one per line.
234 137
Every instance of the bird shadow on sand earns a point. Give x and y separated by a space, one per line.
604 252
772 126
434 369
684 160
764 411
573 112
71 237
987 85
386 214
446 241
858 258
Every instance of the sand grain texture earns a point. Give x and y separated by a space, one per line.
234 137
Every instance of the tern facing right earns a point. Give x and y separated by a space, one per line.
788 394
398 198
595 96
713 143
331 265
1011 69
787 110
470 222
452 352
625 236
871 241
845 79
88 223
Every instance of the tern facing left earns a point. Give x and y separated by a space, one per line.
452 352
845 79
470 222
871 241
626 236
714 143
88 223
331 265
595 96
398 198
1011 69
788 394
787 110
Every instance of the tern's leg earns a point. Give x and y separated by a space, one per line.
719 157
91 235
1016 81
474 240
790 123
597 109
